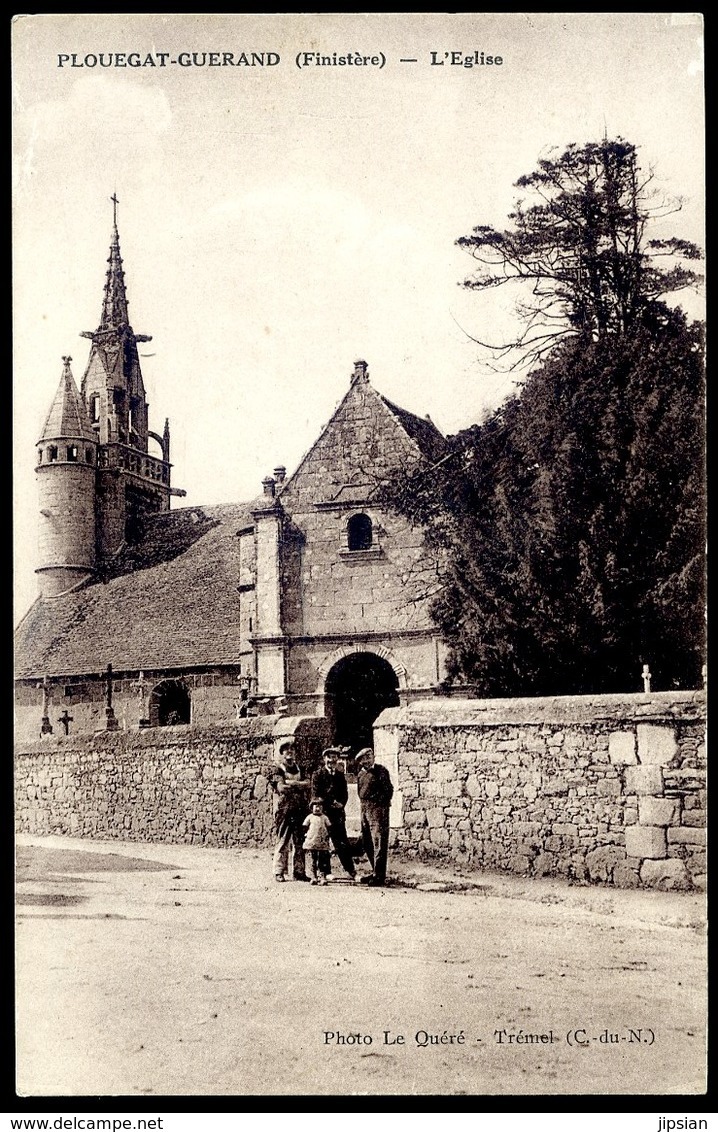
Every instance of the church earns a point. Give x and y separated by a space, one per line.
309 600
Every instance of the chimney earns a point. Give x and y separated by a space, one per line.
279 474
268 485
361 372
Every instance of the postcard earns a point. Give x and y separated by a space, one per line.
267 269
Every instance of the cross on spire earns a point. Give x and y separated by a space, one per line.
115 203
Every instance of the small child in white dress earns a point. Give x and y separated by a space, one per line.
317 825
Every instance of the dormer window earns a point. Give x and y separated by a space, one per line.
360 532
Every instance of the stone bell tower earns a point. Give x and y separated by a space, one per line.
98 480
131 483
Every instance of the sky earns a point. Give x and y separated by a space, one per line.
279 222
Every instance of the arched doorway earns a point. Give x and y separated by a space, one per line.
357 689
170 704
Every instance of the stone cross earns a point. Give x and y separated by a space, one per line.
66 720
141 685
646 678
111 723
45 726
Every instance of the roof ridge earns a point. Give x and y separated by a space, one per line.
415 416
429 435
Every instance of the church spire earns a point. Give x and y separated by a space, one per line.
114 319
114 304
112 386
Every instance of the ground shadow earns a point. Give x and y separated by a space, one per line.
35 862
80 916
56 899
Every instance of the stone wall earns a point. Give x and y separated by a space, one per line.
173 784
214 695
66 529
606 789
328 589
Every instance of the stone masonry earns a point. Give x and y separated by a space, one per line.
334 596
205 786
604 789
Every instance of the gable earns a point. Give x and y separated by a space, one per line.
365 439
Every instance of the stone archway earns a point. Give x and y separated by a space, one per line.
170 704
357 689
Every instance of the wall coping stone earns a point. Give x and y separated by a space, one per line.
255 727
686 706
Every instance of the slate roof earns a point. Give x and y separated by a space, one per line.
68 415
169 602
422 431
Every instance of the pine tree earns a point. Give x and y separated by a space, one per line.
570 524
578 249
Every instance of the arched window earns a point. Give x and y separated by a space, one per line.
170 704
95 408
359 532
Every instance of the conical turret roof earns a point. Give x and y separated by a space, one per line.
68 415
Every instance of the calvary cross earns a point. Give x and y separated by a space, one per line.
66 720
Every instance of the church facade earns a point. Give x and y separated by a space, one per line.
309 600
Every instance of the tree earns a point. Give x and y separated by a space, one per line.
570 525
579 246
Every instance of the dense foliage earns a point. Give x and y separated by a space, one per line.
570 524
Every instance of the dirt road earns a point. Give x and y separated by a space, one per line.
166 970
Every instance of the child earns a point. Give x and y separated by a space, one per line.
317 825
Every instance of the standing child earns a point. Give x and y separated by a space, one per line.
317 825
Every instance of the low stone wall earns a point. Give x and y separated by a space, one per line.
174 784
607 789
